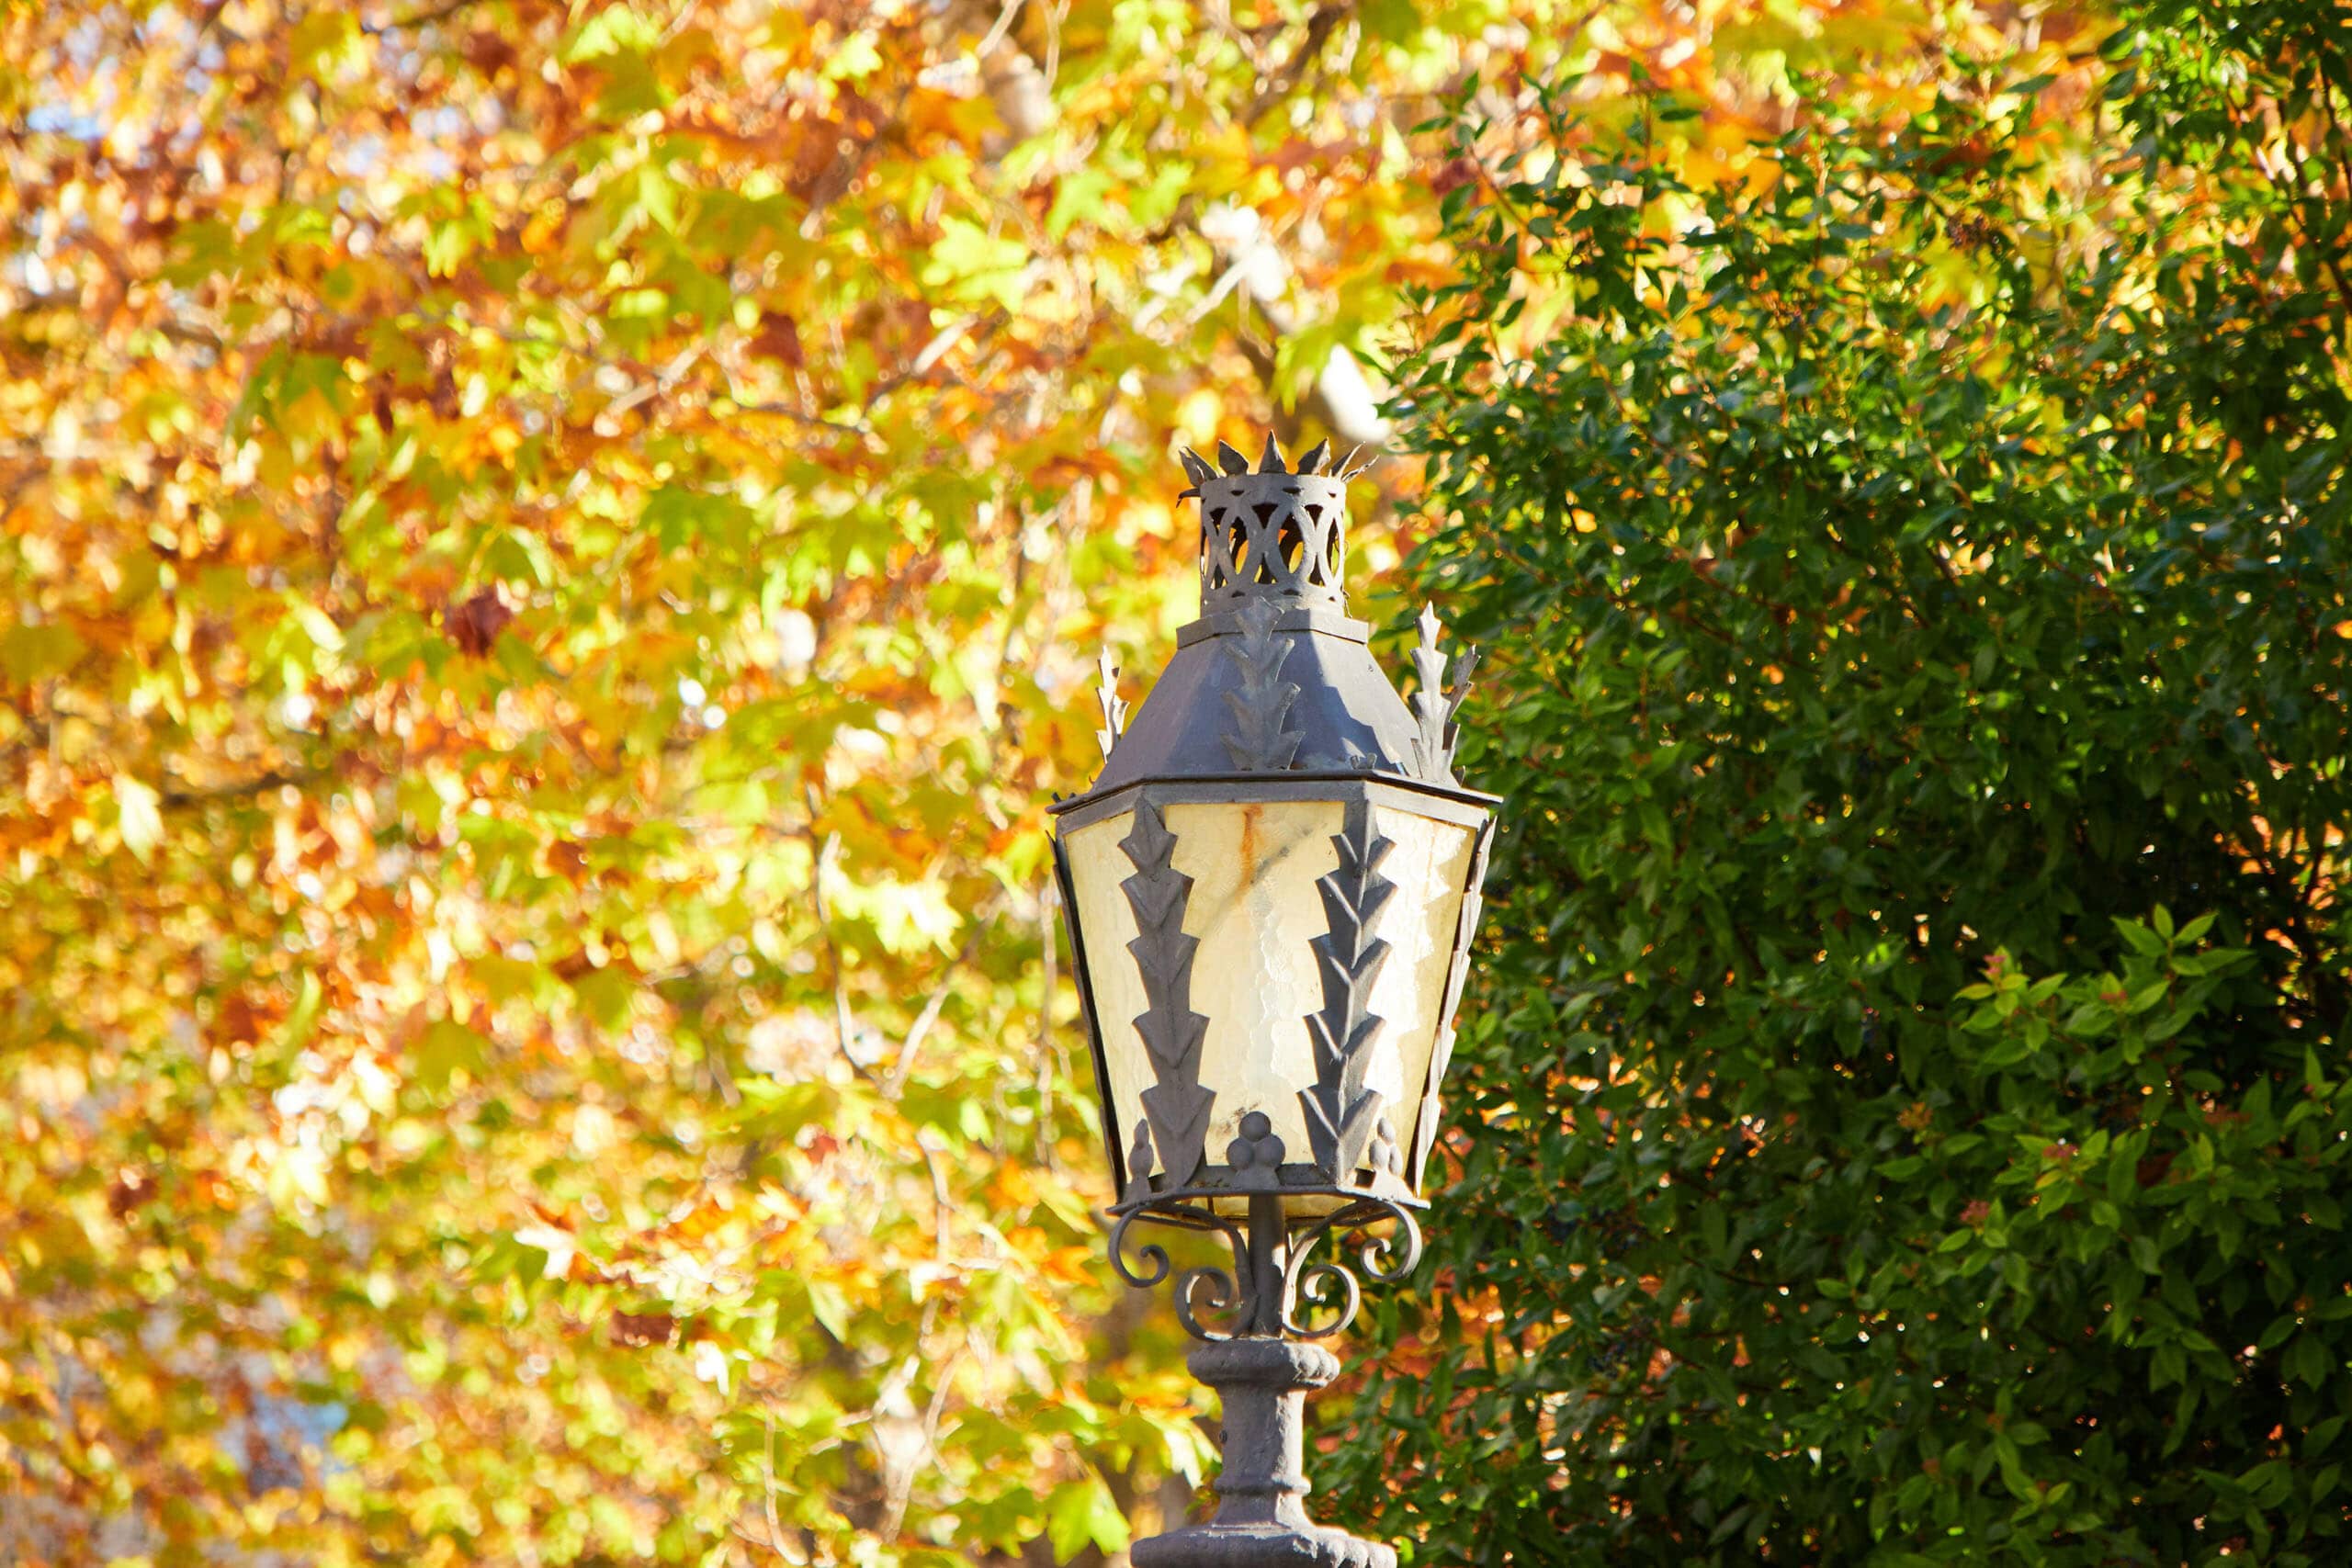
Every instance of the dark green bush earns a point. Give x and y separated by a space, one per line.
1904 1100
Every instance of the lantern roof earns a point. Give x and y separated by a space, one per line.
1275 678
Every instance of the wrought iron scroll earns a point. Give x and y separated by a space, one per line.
1312 1298
1226 1291
1385 1259
1261 735
1425 1124
1224 1296
1435 705
1177 1106
1344 1118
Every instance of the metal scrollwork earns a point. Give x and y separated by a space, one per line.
1224 1296
1308 1294
1387 1262
1153 1256
1277 1282
1203 1288
1384 1259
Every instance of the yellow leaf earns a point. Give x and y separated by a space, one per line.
141 817
560 1245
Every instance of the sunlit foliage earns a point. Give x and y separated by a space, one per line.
549 553
1909 1118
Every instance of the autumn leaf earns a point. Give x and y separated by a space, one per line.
139 818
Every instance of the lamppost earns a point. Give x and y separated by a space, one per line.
1271 889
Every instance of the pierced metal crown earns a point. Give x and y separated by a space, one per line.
1278 532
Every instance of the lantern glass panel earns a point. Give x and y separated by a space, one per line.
1430 865
1255 911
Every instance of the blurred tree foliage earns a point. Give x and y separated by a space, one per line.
1906 1098
549 555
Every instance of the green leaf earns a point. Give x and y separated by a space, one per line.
446 1049
2308 1360
829 1304
607 996
967 262
30 653
304 1015
1082 1513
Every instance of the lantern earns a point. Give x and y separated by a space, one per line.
1270 890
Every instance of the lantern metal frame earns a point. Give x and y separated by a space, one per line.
1272 697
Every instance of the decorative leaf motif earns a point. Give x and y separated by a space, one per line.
1196 469
1114 707
1176 1105
1260 737
1341 1114
1435 705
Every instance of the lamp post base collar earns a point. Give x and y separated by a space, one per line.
1262 1361
1271 1544
1262 1381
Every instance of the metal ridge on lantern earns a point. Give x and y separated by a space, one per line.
1271 889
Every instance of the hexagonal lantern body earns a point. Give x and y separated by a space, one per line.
1271 886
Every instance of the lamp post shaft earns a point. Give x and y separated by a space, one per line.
1268 1257
1262 1380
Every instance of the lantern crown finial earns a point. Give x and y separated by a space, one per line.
1277 532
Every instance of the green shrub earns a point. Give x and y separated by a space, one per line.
1902 587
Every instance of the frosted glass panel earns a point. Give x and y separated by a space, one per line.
1429 865
1097 866
1255 912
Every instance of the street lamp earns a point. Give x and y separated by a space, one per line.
1271 889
